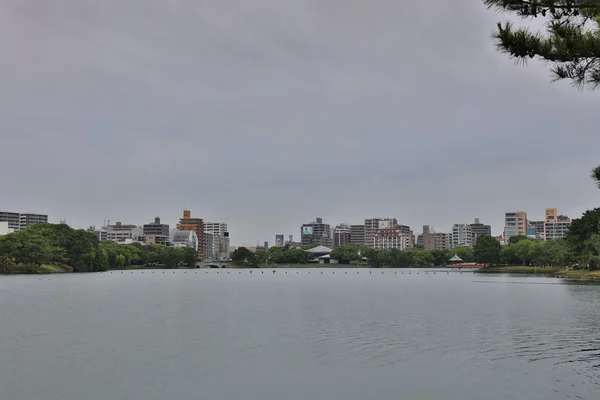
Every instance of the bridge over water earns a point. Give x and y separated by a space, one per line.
215 264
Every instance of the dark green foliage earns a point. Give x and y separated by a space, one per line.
243 256
346 253
54 244
517 239
581 237
154 255
487 250
570 43
596 176
61 245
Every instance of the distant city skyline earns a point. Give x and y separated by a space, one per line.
497 229
268 113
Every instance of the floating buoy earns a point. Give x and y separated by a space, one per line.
286 272
296 272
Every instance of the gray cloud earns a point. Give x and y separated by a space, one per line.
266 114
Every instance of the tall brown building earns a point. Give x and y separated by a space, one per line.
187 223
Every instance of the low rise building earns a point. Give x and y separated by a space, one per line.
4 229
17 221
121 232
186 239
157 239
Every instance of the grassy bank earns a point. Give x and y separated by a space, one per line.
520 269
34 269
578 274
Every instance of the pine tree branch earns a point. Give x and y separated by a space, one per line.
571 43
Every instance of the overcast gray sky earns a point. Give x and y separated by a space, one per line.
266 114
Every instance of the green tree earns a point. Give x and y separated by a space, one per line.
508 255
346 253
297 256
541 255
374 258
243 256
561 254
517 239
487 250
596 176
524 250
440 257
570 43
277 254
261 257
580 231
420 258
189 257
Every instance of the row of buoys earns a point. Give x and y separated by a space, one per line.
297 272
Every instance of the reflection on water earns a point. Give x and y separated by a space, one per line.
236 335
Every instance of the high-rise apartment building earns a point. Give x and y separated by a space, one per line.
357 234
341 235
551 214
391 238
535 230
555 226
18 221
515 224
316 233
373 225
220 249
478 229
187 223
279 240
434 240
462 235
209 253
156 228
442 241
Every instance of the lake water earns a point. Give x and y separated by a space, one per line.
305 334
